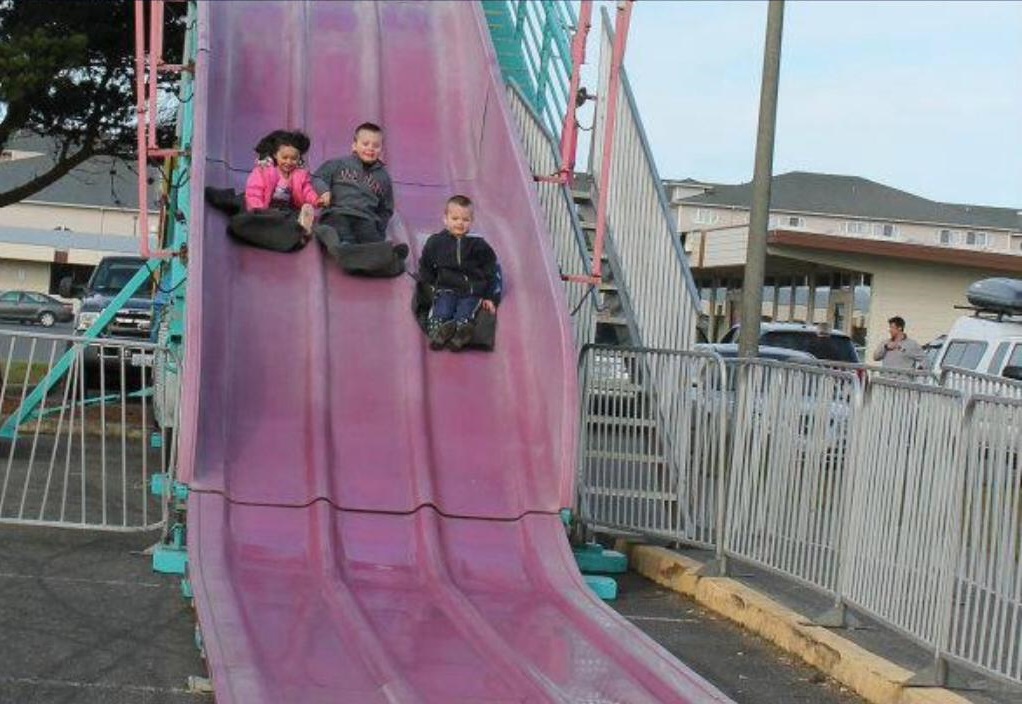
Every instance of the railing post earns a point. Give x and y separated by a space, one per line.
624 16
569 134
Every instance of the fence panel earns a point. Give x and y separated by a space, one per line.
972 383
901 503
986 629
791 428
562 220
83 456
652 441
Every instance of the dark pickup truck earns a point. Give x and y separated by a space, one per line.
133 322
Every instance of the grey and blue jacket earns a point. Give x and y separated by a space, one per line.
357 189
466 265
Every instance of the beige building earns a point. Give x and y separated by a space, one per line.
66 228
846 251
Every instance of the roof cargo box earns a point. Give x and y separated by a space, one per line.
997 295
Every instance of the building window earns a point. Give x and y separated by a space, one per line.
886 229
976 239
794 221
857 227
947 237
705 217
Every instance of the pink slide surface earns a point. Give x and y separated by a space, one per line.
370 521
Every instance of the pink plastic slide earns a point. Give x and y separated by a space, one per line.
370 521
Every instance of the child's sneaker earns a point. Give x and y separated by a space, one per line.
401 250
440 335
306 217
462 335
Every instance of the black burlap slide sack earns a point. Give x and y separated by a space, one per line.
376 259
484 334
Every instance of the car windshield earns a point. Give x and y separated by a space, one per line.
833 347
112 277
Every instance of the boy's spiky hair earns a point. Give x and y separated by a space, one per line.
368 127
460 201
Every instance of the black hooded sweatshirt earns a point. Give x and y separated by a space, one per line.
466 265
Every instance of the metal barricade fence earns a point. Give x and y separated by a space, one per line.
986 596
896 536
972 383
791 429
80 436
897 498
652 441
869 372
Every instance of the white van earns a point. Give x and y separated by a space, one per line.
989 340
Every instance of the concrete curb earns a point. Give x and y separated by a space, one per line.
872 677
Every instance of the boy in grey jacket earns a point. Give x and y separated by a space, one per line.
359 197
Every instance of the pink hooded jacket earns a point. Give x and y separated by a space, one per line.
263 180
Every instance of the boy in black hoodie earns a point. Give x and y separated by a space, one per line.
359 197
464 274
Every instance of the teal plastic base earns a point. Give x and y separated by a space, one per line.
168 559
158 485
593 558
605 587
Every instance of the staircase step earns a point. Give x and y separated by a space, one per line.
623 422
611 319
646 458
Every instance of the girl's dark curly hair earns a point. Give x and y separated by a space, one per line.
269 144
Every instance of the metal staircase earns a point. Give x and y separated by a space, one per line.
612 322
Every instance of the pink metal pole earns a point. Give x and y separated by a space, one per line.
569 135
624 16
155 58
145 109
141 118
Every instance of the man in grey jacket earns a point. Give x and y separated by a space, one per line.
899 351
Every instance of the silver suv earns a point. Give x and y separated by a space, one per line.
819 341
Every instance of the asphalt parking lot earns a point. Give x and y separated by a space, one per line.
87 622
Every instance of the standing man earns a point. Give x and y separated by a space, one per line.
899 352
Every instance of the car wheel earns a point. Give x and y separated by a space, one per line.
47 319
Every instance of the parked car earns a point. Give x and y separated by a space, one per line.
816 340
33 307
729 350
838 410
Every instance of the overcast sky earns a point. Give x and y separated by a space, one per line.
925 96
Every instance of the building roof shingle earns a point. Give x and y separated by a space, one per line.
853 196
101 181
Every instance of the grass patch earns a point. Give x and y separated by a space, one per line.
21 371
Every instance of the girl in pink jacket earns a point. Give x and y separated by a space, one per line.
279 196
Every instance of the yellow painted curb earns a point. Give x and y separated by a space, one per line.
872 677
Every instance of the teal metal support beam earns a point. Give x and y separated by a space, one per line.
23 413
